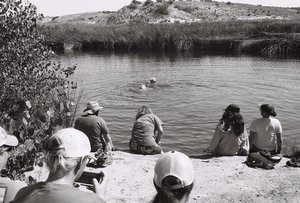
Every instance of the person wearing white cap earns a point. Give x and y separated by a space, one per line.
66 155
173 178
94 127
8 188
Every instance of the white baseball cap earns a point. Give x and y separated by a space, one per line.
73 142
6 139
175 164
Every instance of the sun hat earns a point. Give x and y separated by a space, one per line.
92 107
72 142
233 108
268 108
175 164
6 139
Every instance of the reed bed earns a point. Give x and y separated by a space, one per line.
283 36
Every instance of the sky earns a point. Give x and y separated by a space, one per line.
64 7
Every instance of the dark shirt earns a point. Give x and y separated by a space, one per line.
144 129
94 127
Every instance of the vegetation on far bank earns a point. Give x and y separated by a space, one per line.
264 36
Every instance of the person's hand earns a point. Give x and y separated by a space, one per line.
99 189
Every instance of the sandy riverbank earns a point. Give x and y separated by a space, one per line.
218 179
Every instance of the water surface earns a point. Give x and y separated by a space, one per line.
191 93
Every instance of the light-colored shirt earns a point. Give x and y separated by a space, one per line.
266 129
227 143
44 192
9 188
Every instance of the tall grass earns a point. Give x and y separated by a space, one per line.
181 37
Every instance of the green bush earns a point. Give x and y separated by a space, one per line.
162 9
132 6
148 2
36 95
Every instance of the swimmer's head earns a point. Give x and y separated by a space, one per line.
153 80
143 87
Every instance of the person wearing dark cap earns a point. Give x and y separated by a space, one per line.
66 155
94 127
8 187
173 178
230 137
266 132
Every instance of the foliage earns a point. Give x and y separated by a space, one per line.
36 95
136 2
132 6
181 37
187 9
148 2
162 9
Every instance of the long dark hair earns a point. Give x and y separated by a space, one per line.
167 195
234 120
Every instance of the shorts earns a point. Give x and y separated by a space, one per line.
146 150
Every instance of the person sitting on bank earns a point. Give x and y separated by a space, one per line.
8 187
94 127
230 137
146 133
265 138
173 178
66 155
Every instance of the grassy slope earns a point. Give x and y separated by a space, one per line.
181 26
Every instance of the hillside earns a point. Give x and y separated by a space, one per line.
179 12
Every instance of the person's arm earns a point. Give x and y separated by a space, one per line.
159 134
244 146
252 138
158 129
279 142
105 134
100 189
215 140
279 138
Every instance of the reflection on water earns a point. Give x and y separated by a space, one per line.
192 91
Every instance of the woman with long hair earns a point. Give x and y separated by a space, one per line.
230 137
173 178
146 133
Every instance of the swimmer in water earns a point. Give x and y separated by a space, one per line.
150 85
143 87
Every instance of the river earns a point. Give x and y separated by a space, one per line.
191 93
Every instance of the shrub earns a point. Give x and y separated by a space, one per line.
136 2
148 2
162 9
36 95
132 6
187 9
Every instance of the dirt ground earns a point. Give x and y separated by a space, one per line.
218 179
